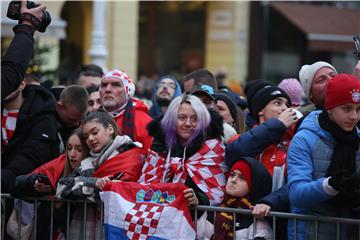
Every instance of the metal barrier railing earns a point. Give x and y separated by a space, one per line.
274 216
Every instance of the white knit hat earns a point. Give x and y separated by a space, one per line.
307 72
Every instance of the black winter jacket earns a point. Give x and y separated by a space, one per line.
16 59
35 140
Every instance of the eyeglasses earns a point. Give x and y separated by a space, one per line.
167 84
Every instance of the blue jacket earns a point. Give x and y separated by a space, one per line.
254 141
278 200
309 156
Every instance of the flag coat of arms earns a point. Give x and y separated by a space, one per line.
146 211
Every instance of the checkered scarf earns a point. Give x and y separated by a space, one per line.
206 168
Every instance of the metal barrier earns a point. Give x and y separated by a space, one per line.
274 216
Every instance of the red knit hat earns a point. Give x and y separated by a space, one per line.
245 170
342 89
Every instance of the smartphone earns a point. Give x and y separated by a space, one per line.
44 179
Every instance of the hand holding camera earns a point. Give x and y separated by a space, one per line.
29 13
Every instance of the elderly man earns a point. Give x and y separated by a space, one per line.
129 114
165 90
314 79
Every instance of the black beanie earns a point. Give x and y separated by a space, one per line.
252 87
263 97
230 102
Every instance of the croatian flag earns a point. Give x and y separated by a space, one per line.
146 211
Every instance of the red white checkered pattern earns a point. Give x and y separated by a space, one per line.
142 220
206 168
8 124
120 74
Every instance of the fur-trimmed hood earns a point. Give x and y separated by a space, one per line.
214 130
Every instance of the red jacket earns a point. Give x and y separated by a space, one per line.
141 121
275 154
53 169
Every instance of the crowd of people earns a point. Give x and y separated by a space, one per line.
265 151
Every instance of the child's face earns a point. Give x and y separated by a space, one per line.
97 136
236 185
75 150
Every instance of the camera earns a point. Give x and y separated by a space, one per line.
13 12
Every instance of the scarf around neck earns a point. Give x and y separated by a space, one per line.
224 220
346 146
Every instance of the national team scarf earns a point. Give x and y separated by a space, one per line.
206 168
224 220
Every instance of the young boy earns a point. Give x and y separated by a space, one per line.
248 182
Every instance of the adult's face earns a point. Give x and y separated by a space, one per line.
319 84
186 122
69 115
223 109
112 94
345 116
166 89
87 81
94 101
273 109
206 99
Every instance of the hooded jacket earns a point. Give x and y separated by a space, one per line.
35 140
309 156
155 108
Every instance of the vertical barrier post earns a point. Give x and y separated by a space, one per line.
35 219
51 219
67 219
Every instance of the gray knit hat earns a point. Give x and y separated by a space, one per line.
307 72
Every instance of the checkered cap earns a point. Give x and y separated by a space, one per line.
125 80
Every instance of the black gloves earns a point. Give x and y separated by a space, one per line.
343 181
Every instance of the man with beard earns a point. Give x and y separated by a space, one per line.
129 114
165 90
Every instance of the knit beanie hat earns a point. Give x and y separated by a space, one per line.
125 80
245 170
342 89
307 72
293 88
229 101
264 96
253 87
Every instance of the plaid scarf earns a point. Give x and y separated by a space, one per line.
206 168
224 220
